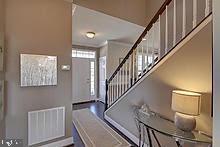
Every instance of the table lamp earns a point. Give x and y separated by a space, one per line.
186 105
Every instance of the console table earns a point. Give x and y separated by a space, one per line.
152 123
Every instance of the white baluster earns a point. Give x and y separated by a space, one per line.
120 82
123 78
153 44
112 90
136 62
133 68
166 31
147 51
112 93
159 32
130 70
194 13
150 49
109 99
143 55
184 19
117 86
121 89
174 23
127 74
109 91
207 7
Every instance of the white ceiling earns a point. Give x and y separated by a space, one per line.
106 28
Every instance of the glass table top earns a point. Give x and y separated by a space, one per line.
168 128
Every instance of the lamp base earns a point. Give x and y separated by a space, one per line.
185 122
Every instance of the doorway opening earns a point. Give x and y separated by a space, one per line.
83 75
102 78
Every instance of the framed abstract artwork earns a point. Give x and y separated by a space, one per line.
38 70
1 100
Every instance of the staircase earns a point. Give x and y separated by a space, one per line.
173 23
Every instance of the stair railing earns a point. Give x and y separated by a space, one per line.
171 24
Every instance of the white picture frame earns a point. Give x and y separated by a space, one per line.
38 70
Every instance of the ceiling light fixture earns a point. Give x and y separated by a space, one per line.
143 39
90 35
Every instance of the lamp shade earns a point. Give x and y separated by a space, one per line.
186 102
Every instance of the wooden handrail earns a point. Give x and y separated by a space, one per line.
114 92
154 19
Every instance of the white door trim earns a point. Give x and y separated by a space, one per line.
101 84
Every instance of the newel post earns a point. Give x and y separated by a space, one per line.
106 94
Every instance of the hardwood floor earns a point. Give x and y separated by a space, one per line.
98 109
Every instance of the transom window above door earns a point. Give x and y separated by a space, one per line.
83 54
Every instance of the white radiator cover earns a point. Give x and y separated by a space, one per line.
47 124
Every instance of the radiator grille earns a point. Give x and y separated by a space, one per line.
44 125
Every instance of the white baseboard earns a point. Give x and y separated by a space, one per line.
61 143
99 100
84 101
122 129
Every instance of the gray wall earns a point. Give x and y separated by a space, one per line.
216 73
37 27
2 122
190 68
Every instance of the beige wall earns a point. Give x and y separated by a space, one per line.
130 10
2 123
152 8
188 69
139 12
36 27
216 73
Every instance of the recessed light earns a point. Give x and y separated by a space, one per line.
143 39
90 35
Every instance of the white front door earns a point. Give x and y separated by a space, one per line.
81 80
102 78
